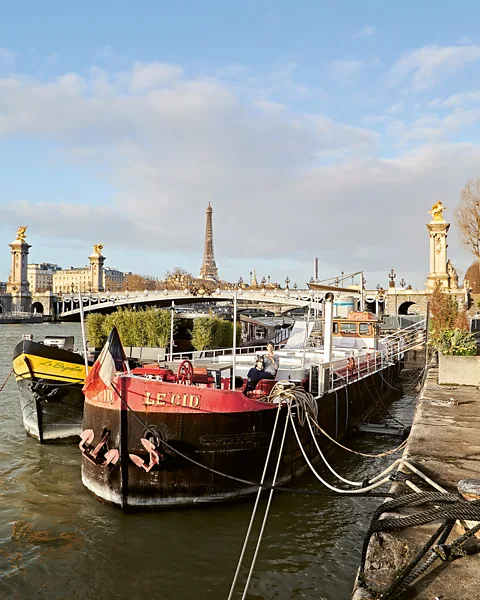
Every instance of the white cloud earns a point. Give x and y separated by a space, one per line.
150 75
428 65
367 31
460 99
345 69
431 127
301 180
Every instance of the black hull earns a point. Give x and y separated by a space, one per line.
58 417
50 382
231 443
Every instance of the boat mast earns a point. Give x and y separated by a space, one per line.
234 345
82 321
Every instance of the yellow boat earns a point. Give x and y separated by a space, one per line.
50 377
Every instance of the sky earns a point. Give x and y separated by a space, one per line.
316 128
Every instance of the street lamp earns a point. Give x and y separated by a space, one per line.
391 277
403 283
287 281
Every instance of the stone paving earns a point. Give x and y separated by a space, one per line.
445 445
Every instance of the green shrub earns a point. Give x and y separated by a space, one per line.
213 332
147 328
457 342
94 324
203 333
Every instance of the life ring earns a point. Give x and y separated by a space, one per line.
185 373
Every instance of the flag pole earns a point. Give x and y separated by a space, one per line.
82 321
234 346
171 330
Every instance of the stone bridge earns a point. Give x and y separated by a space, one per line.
68 306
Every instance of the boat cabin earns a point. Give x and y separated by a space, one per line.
358 330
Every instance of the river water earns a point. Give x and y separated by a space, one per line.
57 542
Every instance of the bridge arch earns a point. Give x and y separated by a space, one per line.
404 308
37 307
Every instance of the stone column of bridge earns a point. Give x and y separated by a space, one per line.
438 229
17 285
96 265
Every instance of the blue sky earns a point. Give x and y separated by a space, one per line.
317 128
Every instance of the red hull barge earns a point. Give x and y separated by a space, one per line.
140 434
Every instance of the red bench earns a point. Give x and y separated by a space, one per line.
263 388
200 375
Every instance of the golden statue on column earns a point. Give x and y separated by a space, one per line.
21 234
437 211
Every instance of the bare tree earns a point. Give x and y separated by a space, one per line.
473 276
467 217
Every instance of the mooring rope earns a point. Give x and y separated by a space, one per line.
5 382
267 510
255 484
455 507
337 475
257 499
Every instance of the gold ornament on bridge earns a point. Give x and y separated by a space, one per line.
437 211
97 249
21 233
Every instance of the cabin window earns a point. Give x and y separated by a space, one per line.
335 328
348 328
364 328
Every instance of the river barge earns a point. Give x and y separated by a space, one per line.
185 433
50 376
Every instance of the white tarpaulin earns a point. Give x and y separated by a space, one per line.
299 334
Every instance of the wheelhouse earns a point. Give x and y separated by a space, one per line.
360 327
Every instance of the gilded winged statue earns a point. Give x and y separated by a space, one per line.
437 211
97 248
21 233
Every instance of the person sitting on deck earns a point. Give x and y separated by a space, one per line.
267 370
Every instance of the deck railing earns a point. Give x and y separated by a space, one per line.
328 377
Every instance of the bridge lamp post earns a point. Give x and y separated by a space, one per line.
392 276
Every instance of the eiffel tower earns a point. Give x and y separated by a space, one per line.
209 268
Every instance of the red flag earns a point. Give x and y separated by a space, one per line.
110 360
